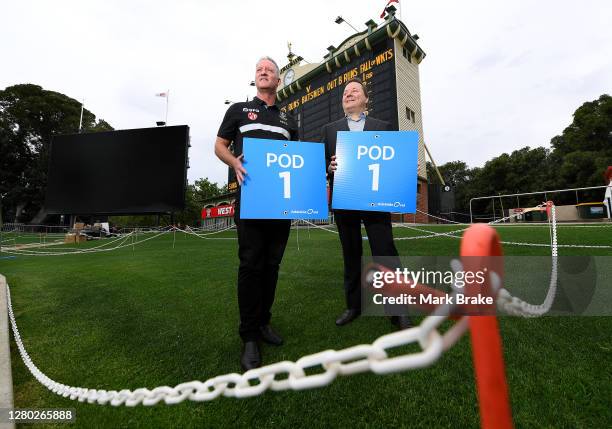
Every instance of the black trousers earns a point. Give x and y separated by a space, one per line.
261 245
380 236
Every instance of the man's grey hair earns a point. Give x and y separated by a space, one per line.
272 61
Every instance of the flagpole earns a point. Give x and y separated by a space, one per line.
81 118
167 100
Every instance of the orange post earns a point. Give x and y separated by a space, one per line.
482 241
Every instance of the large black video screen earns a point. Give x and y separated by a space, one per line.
118 172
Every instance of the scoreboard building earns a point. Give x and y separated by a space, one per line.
386 57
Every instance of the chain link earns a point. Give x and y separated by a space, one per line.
517 307
353 360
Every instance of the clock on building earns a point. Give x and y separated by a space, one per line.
289 77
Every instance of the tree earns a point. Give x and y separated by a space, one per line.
205 189
454 173
578 158
458 175
29 117
584 149
591 129
195 195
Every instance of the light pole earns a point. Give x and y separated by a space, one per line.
339 20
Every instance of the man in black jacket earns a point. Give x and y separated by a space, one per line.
377 224
261 242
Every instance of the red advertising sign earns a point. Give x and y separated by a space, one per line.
219 211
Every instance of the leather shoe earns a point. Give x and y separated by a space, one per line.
347 317
269 336
402 322
251 357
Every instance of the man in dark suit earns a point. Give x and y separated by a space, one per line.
377 224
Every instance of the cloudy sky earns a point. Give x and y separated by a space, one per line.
499 75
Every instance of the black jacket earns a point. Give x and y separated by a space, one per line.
329 134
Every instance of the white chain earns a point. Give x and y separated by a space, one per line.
353 360
517 307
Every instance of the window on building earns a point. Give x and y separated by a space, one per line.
410 115
406 54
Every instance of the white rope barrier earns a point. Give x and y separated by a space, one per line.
437 217
70 251
17 250
190 231
75 250
94 250
321 227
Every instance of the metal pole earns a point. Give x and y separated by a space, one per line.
434 164
501 203
471 219
167 101
81 119
493 209
541 192
1 225
487 351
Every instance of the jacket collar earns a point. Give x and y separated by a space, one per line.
263 103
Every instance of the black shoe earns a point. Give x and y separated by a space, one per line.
269 336
347 317
251 357
402 322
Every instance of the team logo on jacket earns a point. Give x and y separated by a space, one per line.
252 116
283 118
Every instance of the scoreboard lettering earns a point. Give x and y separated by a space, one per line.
364 71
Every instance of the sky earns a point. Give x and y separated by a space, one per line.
498 75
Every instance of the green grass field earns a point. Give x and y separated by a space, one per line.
153 315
